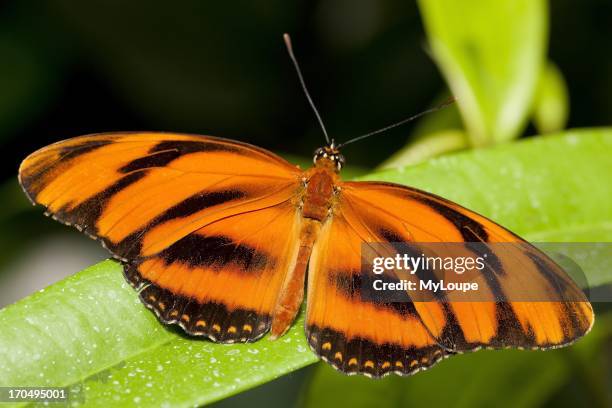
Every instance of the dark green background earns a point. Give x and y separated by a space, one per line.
220 68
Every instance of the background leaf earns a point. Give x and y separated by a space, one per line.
90 331
551 104
491 54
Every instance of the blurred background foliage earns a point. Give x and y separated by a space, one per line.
70 68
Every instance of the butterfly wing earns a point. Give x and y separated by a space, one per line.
222 280
206 227
353 335
381 337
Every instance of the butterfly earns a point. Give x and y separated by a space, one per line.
220 236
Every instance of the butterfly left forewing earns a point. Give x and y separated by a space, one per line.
534 303
419 332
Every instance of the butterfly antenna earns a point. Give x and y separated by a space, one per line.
443 105
299 73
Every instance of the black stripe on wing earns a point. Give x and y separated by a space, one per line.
131 246
165 152
217 253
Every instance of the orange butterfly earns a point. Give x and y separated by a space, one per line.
217 236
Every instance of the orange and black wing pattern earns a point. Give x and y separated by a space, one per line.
207 228
376 338
209 231
353 335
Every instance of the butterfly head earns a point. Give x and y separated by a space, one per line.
329 156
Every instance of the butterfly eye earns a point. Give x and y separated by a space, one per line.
341 161
319 153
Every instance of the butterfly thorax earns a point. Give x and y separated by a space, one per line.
320 182
320 192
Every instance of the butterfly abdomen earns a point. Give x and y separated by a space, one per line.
292 292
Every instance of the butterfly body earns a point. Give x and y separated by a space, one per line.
218 236
315 204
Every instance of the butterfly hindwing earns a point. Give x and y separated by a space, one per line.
223 280
352 334
206 227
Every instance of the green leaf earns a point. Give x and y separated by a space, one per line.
91 332
551 104
491 54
